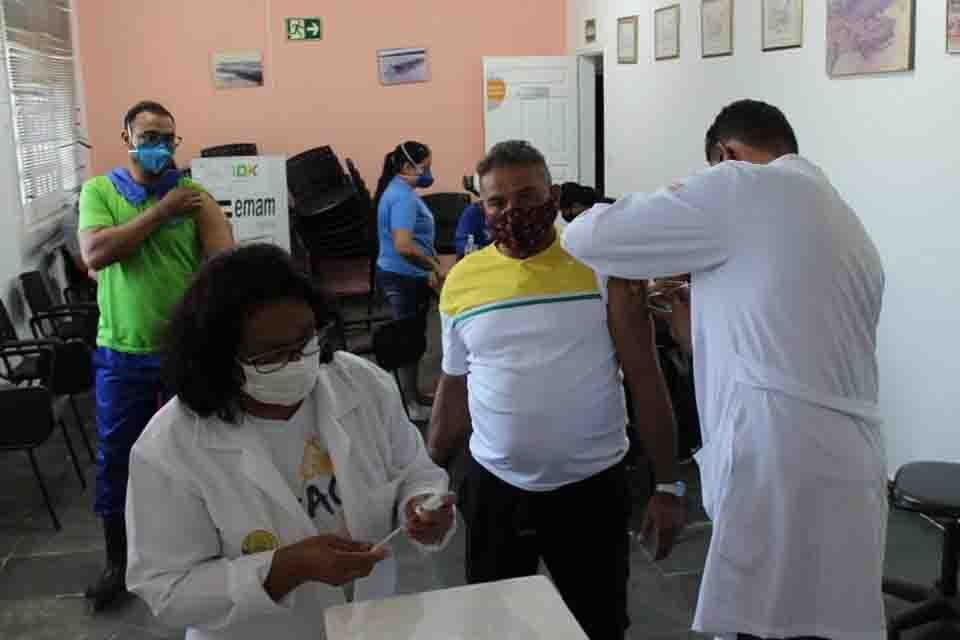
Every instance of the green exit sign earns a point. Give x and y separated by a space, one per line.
304 29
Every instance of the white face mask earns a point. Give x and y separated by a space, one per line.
285 387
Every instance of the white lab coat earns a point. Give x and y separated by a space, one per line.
786 292
198 487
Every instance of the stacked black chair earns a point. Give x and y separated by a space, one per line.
230 150
317 182
446 209
342 244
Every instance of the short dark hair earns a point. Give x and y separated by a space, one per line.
145 106
754 123
513 153
203 338
572 193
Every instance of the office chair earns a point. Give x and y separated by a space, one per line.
446 209
398 344
29 417
229 150
931 489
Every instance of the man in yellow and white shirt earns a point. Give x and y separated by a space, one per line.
530 363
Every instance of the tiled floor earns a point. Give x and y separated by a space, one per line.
43 573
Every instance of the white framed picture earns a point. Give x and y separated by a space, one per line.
666 33
627 40
782 24
716 28
953 26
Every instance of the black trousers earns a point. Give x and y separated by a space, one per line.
579 530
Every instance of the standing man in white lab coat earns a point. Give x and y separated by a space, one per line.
786 289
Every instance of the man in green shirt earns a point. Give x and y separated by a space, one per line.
144 229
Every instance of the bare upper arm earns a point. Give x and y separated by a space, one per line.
215 231
403 241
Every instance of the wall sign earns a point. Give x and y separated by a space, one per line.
304 29
252 191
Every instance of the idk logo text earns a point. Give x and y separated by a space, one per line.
244 171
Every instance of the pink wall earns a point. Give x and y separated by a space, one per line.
315 93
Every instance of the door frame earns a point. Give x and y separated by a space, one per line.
586 112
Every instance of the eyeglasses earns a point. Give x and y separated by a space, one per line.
155 137
276 359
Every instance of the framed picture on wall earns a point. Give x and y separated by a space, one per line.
627 40
666 33
782 24
716 28
590 31
237 69
874 37
953 26
403 66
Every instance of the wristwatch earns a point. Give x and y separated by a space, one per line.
678 488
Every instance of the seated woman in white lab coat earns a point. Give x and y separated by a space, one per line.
260 490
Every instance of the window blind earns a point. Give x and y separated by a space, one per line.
38 45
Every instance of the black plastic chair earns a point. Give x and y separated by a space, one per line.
932 489
317 181
230 150
446 209
81 289
74 373
15 371
52 319
28 414
398 344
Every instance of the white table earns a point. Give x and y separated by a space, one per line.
521 609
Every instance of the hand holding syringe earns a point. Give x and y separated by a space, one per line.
428 519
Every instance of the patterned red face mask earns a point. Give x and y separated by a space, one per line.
522 230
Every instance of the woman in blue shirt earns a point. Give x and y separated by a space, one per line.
407 266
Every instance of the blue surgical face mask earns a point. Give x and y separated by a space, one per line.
155 158
425 179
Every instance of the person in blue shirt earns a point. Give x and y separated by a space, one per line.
407 265
472 222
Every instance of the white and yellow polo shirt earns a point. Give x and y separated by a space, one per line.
545 394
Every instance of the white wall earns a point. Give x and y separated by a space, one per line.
22 248
890 143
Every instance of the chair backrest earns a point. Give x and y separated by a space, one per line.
27 417
373 236
399 343
8 331
313 173
446 209
228 150
74 372
37 292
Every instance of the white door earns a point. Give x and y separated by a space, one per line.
535 99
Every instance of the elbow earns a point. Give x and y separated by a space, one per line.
95 260
406 250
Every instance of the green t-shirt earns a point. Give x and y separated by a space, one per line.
136 295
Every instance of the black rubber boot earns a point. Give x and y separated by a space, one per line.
112 584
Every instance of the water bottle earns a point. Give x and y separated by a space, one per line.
470 246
